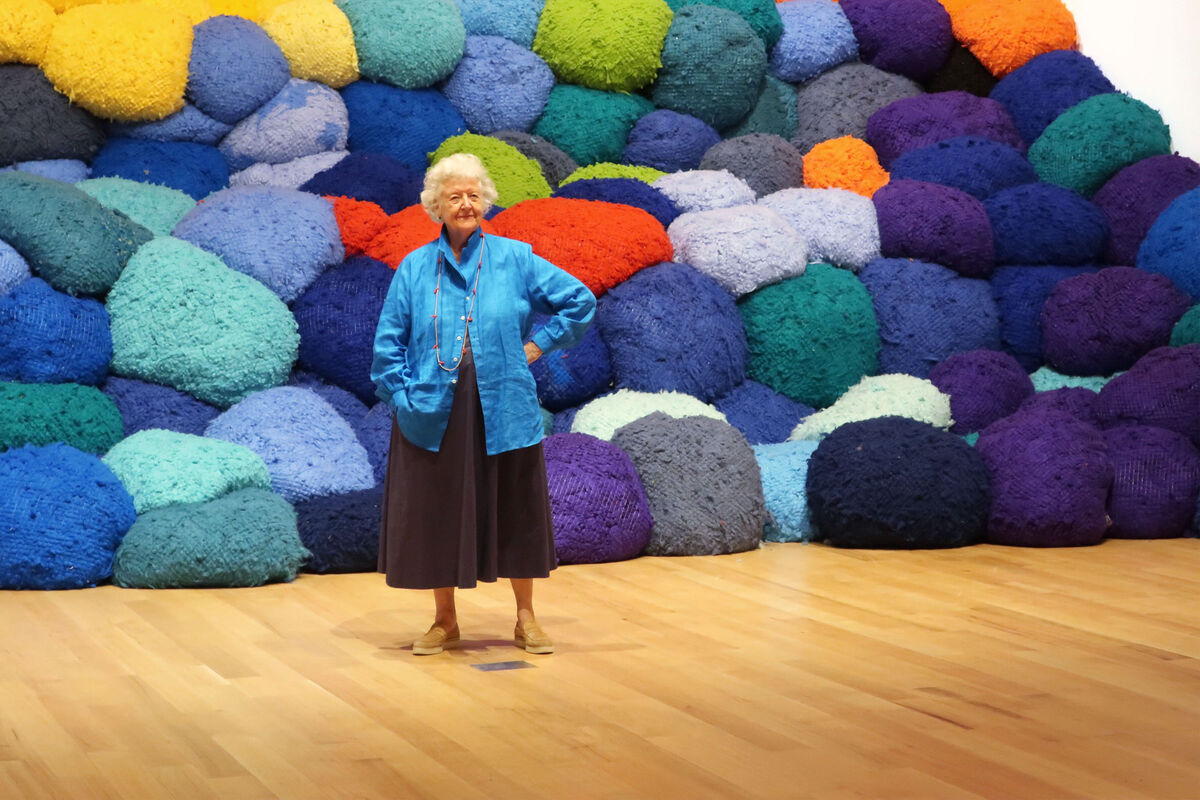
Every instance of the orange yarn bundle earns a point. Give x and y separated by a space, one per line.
1005 34
844 163
359 221
404 232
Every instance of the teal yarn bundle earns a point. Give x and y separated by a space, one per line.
774 112
155 208
44 413
408 45
761 15
590 125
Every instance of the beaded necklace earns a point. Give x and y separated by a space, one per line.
437 294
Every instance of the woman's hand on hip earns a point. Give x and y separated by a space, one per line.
532 352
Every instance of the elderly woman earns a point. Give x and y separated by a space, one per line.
465 498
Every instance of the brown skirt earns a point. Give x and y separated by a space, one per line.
459 516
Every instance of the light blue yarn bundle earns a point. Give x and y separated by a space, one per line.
303 119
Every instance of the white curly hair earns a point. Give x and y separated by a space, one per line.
460 166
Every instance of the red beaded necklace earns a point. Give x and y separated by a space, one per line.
437 294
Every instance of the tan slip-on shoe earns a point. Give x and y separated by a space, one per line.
531 637
435 640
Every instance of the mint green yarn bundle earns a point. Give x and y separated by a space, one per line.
879 396
407 44
44 413
1093 140
245 538
590 125
604 415
181 318
162 468
1187 330
606 169
155 208
517 177
612 45
1047 380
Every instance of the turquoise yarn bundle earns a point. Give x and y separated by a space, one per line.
407 45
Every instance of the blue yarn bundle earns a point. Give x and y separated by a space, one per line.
374 177
499 85
283 238
979 167
516 20
816 37
784 468
341 531
188 124
670 328
842 100
308 448
37 122
766 162
290 174
147 405
1133 199
348 407
63 516
1037 92
762 414
337 316
1172 247
569 377
935 223
1020 293
195 169
1040 223
235 67
67 170
626 191
927 312
742 248
375 435
302 119
554 163
704 190
13 269
839 226
404 124
50 337
669 141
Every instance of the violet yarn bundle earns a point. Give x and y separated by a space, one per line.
916 122
763 415
1040 223
766 162
1161 389
839 102
51 337
669 141
909 37
935 223
1050 477
1133 199
977 166
377 178
148 405
597 502
341 530
1078 401
983 385
1020 293
1037 92
1156 482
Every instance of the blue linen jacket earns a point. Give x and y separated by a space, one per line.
513 284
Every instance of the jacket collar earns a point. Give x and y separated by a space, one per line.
470 252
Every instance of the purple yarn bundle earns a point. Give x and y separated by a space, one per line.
916 122
1134 197
908 37
983 385
1156 482
1077 401
935 223
1161 389
1020 293
670 141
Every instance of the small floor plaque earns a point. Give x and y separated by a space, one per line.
496 666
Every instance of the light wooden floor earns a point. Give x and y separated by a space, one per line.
797 671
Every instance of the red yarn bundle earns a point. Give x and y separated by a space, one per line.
404 232
358 222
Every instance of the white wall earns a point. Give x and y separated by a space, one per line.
1149 49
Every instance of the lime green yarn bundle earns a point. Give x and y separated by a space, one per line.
1187 330
181 318
412 45
1093 140
516 176
813 336
590 125
612 45
607 169
162 468
43 413
155 208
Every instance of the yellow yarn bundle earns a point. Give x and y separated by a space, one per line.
24 29
316 39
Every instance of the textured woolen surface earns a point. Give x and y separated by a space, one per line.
161 468
192 168
37 122
409 45
1040 223
499 85
1132 199
1187 330
983 385
155 208
839 226
188 124
839 102
148 405
879 396
1171 247
669 141
590 125
13 269
897 483
41 413
1037 93
290 174
1005 34
1050 476
626 191
774 112
599 243
762 15
406 125
359 221
742 248
916 122
935 223
766 162
246 538
349 407
67 238
554 163
713 64
597 501
305 118
811 337
307 446
341 531
283 238
50 337
979 167
927 312
1077 401
516 177
244 341
762 414
702 483
67 170
1020 293
1090 142
1156 480
604 415
1099 323
613 45
816 37
671 328
908 37
784 469
336 318
1161 389
844 163
513 19
317 40
704 190
63 513
566 378
374 177
235 67
962 72
402 233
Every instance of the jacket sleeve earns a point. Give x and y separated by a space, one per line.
389 365
556 292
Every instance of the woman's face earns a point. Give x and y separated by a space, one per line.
461 206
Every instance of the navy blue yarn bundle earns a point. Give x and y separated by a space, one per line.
670 141
564 420
763 415
36 122
979 167
573 376
894 482
337 316
375 177
1156 481
555 163
1037 92
405 124
51 337
235 67
927 312
1020 293
63 516
766 162
626 191
935 223
1171 244
671 328
188 124
499 85
341 530
1040 223
375 435
194 169
148 405
983 385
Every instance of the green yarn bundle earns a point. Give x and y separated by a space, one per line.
813 336
516 176
606 169
155 208
42 413
612 45
775 112
1187 330
183 319
590 125
246 538
407 44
